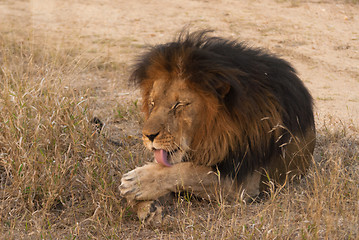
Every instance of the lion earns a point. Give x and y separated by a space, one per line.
222 120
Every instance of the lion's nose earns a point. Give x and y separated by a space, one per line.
152 137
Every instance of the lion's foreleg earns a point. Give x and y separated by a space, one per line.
153 180
148 188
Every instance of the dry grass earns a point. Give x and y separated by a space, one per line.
56 180
59 177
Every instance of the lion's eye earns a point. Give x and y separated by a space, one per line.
176 105
151 105
179 104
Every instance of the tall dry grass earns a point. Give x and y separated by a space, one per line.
56 178
59 176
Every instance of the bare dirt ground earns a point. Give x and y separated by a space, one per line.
320 39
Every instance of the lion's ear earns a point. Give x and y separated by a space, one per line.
222 88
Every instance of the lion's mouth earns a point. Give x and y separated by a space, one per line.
163 157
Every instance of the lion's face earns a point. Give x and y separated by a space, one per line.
173 114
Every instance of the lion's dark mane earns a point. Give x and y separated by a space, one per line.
261 86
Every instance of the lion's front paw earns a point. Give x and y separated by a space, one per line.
151 213
144 183
157 212
128 187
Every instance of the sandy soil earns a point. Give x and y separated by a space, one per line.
320 38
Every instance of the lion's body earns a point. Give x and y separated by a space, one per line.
216 106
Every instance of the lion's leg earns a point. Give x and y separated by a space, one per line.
251 186
300 153
153 180
296 158
147 188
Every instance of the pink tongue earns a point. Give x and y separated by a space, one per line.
161 157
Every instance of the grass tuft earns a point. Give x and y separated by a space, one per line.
55 177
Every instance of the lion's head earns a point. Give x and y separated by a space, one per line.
210 101
174 114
